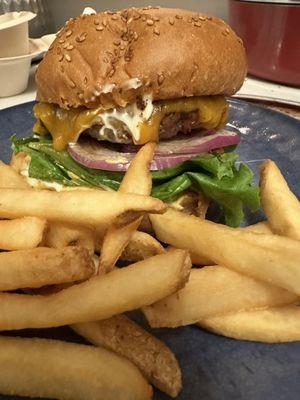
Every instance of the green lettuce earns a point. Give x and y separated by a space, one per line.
214 174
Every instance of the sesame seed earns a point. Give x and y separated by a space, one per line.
96 21
202 18
156 31
114 17
129 21
80 95
104 22
61 41
68 57
122 47
135 35
65 45
81 38
69 33
195 18
61 57
72 84
227 30
70 47
99 28
178 16
144 18
171 21
197 24
160 79
190 20
105 60
149 22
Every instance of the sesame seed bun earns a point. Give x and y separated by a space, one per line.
110 59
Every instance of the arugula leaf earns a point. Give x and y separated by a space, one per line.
91 176
219 165
71 173
172 187
231 194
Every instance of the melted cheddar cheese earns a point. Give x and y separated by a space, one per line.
65 126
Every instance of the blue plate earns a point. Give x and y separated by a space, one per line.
214 367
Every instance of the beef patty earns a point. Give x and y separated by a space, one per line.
170 126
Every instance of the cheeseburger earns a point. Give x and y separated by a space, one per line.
113 81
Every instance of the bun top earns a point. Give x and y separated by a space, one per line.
111 58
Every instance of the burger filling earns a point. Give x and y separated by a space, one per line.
94 147
137 123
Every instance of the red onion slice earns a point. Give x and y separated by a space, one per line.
200 142
91 153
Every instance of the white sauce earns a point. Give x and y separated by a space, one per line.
132 83
131 116
37 183
108 88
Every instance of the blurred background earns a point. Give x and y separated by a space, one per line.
270 30
53 13
67 8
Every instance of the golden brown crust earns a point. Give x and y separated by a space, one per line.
172 53
126 338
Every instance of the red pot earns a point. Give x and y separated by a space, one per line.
271 34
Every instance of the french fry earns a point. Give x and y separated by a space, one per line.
10 178
260 227
270 258
61 235
19 161
212 291
61 370
272 325
200 260
124 337
43 266
140 247
100 297
22 233
137 180
90 208
280 205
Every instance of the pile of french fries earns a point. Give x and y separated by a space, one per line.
59 266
